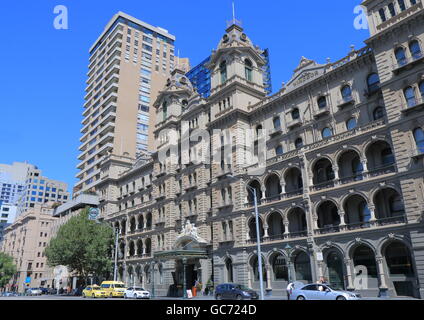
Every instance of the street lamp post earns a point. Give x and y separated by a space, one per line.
184 279
115 269
258 240
153 278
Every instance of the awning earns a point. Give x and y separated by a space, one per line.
181 254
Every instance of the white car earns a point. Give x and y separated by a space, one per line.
136 293
34 292
321 292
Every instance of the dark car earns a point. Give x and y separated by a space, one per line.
232 291
44 290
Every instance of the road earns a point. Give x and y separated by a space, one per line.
56 297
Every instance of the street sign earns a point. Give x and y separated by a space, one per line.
319 256
28 280
93 214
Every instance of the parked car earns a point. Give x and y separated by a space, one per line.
52 291
44 290
113 288
9 294
77 292
233 291
136 293
94 291
322 292
34 292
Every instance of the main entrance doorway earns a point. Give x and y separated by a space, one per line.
192 274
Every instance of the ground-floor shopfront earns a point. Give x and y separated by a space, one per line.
375 263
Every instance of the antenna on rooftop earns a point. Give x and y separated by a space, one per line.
234 21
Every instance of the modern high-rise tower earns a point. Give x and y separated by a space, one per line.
128 65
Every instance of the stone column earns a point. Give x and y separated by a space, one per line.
336 174
265 231
286 228
249 277
283 187
320 269
381 274
349 266
364 162
342 215
268 278
372 213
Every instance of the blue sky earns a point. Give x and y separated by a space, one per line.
44 69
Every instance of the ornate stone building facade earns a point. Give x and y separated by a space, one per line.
340 184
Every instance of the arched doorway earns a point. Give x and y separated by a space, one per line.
365 266
400 268
255 270
335 271
302 267
279 267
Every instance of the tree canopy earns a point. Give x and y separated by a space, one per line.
83 246
7 269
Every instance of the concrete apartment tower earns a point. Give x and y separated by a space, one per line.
129 64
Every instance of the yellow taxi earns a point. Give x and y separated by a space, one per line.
94 291
113 288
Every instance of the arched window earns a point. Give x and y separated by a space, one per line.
165 110
364 212
279 150
326 133
402 5
248 68
392 9
373 82
382 15
351 124
378 113
229 269
387 157
258 130
277 123
346 93
415 49
322 102
419 139
396 205
295 114
400 56
411 101
223 71
298 143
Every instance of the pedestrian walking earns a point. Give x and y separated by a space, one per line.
290 288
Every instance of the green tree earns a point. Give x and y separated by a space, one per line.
83 246
7 269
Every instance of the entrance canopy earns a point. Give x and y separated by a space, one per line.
188 245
